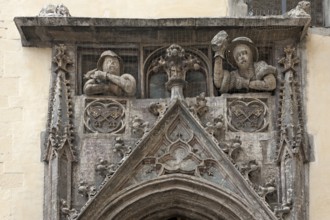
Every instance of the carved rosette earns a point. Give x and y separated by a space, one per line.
247 115
104 116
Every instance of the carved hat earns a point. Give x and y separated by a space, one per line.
109 53
237 41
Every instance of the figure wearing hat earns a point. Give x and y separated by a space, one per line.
250 74
107 79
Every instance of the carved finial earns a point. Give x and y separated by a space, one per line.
289 61
176 63
52 10
62 58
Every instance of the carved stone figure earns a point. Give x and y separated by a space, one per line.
52 10
107 79
301 10
242 54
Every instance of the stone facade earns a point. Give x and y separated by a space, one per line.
28 184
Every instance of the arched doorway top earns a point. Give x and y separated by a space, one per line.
176 195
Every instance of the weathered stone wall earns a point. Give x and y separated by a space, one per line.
24 90
318 105
24 87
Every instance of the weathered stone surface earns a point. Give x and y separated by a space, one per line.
125 147
43 32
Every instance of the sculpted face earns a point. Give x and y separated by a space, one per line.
111 65
243 56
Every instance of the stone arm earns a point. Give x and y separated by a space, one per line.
219 44
126 82
92 87
99 82
218 72
266 80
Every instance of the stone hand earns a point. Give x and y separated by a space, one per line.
219 43
100 75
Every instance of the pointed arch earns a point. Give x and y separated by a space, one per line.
175 195
198 80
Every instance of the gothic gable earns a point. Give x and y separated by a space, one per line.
164 118
177 147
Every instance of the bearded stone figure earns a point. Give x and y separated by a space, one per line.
242 54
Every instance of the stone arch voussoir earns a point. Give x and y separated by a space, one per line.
175 195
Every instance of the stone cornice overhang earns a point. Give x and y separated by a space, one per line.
47 31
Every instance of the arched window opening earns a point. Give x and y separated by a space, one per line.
196 84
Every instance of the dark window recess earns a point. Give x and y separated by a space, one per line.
196 84
157 87
274 7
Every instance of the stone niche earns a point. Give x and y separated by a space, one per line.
140 127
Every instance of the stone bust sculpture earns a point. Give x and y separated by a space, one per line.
250 75
107 79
